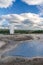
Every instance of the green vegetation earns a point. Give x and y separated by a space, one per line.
6 31
37 31
22 31
28 31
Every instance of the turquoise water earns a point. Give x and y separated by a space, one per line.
27 49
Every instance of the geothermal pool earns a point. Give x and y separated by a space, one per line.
31 48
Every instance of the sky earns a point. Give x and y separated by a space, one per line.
25 14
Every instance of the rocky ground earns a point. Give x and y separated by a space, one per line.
21 61
8 42
20 37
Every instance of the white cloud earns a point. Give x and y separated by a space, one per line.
6 3
33 2
40 7
24 20
38 3
13 18
32 17
34 21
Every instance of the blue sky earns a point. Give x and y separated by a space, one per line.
19 7
26 14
